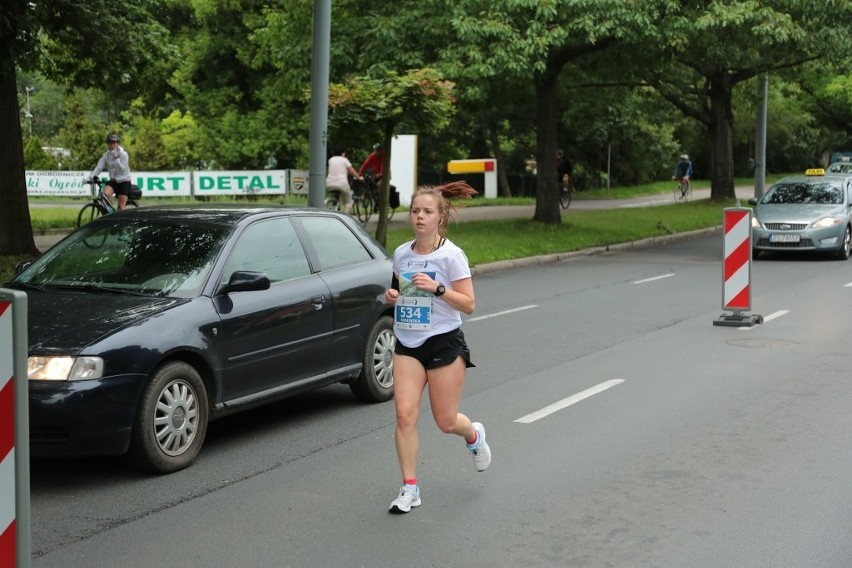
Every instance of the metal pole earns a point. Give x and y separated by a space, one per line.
608 164
319 102
760 143
29 114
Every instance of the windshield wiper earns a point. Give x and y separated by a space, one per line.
89 287
27 286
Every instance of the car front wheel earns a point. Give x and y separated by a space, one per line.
172 420
846 248
375 383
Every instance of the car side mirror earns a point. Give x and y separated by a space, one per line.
245 281
752 201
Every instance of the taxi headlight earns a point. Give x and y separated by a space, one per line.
827 222
64 368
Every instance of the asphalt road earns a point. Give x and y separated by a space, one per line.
702 445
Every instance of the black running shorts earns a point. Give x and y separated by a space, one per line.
439 350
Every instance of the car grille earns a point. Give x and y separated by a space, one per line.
803 243
786 226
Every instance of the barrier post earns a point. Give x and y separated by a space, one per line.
486 166
15 545
736 269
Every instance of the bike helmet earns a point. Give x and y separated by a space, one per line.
112 138
684 157
377 147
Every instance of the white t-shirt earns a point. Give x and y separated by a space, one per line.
338 172
420 314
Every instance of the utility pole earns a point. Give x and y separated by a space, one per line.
319 102
27 113
760 145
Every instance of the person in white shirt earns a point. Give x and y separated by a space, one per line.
337 180
116 162
431 288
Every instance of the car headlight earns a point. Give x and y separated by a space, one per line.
755 222
64 368
827 222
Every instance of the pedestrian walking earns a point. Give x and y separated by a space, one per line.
432 287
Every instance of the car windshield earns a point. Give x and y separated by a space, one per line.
840 168
812 193
159 258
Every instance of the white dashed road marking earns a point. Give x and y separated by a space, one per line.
654 278
566 402
503 313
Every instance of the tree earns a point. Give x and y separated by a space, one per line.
829 98
81 136
707 48
242 77
16 234
63 39
35 158
420 100
518 40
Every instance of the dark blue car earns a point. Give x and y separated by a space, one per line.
145 325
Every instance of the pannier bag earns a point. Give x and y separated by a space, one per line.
393 198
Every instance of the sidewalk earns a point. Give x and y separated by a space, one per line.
487 212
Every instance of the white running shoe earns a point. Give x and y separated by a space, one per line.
409 496
480 450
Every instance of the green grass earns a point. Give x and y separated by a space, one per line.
504 239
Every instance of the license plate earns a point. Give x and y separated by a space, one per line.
774 238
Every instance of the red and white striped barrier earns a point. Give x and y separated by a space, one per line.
14 432
736 284
7 439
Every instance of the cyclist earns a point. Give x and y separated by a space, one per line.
375 162
339 170
563 169
116 162
683 170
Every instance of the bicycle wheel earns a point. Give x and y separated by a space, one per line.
332 204
88 213
687 192
679 193
565 197
364 207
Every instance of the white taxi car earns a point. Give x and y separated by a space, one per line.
812 212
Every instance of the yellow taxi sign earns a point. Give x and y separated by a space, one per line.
815 172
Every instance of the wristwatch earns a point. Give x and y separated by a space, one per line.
439 291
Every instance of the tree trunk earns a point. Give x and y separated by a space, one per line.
503 189
547 189
384 189
16 232
721 128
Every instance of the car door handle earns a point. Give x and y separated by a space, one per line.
318 302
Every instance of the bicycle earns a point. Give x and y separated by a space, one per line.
101 203
370 199
565 191
683 191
